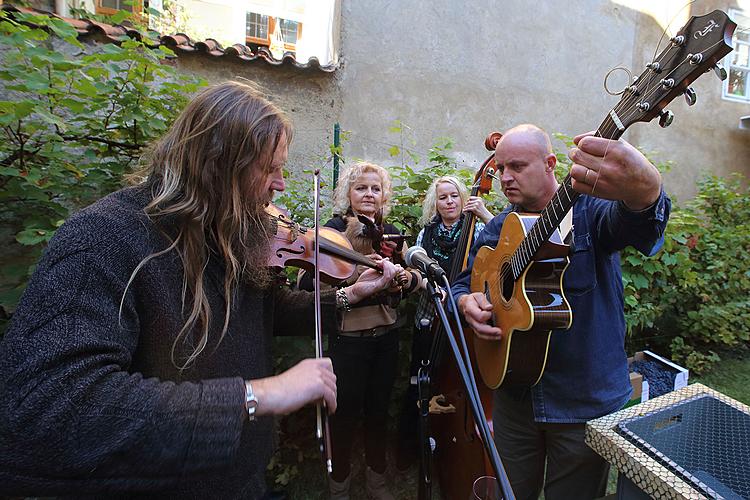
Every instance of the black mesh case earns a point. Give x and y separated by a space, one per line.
703 440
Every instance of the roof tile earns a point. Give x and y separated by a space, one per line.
179 42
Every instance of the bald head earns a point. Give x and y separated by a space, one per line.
531 136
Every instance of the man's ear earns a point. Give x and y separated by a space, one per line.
551 162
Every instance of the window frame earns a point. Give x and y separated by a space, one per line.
735 14
253 38
137 8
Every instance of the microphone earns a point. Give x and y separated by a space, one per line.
417 258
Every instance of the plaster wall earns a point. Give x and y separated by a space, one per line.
462 70
310 98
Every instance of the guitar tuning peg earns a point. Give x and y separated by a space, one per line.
666 118
690 96
720 71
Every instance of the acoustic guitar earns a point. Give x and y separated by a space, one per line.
522 277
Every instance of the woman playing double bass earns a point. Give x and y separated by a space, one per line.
445 206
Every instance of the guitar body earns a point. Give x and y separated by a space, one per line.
526 309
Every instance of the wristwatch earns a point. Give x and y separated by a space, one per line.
251 402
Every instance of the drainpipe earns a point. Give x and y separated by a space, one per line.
336 144
61 8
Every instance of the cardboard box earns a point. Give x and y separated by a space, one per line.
640 388
636 379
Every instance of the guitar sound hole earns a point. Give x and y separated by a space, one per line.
506 282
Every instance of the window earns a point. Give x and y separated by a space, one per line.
259 29
48 5
737 62
289 31
112 6
256 26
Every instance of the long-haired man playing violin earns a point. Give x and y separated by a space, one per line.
622 203
138 360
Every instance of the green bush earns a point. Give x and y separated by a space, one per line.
72 125
693 296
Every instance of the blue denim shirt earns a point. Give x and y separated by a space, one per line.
587 373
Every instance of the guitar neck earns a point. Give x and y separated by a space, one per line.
560 204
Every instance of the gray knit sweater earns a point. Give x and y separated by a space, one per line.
90 401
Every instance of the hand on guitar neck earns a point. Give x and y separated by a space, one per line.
614 170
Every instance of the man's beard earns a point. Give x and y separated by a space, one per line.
257 249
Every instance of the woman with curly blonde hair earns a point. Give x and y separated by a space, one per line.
445 205
364 349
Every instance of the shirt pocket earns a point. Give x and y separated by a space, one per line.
580 276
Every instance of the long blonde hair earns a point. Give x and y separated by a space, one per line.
429 205
206 178
349 176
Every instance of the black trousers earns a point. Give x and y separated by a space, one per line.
365 371
573 470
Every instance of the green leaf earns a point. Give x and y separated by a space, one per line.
73 104
394 151
86 87
10 172
119 16
33 236
52 119
640 281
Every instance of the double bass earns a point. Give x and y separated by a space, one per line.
457 440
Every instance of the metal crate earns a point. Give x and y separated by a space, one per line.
701 439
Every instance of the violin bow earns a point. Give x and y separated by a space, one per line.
323 432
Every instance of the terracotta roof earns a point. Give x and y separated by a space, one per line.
180 43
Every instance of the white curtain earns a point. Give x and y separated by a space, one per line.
317 32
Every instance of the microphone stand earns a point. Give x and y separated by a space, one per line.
424 395
467 377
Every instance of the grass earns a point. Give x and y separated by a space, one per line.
731 377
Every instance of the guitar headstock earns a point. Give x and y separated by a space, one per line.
694 50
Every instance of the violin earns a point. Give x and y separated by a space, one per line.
294 245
